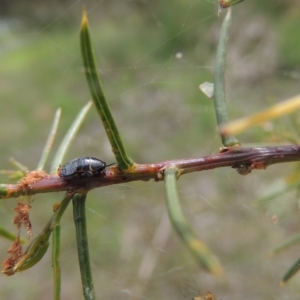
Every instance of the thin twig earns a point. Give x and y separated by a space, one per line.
243 159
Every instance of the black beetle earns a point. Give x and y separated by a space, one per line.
82 166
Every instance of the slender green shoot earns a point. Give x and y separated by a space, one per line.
3 191
91 72
82 246
49 143
35 252
39 246
15 174
56 262
291 272
219 83
286 245
200 251
59 211
62 150
276 189
10 236
280 109
55 226
70 135
18 165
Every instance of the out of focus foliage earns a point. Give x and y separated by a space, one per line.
152 55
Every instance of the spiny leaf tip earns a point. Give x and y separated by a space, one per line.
84 21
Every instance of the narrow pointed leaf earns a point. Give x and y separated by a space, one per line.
49 143
18 165
70 135
291 272
39 246
82 246
286 245
124 162
56 262
278 188
10 236
35 252
199 249
219 82
283 108
55 226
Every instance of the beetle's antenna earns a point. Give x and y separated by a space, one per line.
110 164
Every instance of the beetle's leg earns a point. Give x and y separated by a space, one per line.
89 173
58 170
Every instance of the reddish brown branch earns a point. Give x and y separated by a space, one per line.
243 159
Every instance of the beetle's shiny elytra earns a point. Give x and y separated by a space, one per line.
82 166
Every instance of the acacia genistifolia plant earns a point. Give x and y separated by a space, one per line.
82 175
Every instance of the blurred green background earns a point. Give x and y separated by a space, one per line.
152 56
